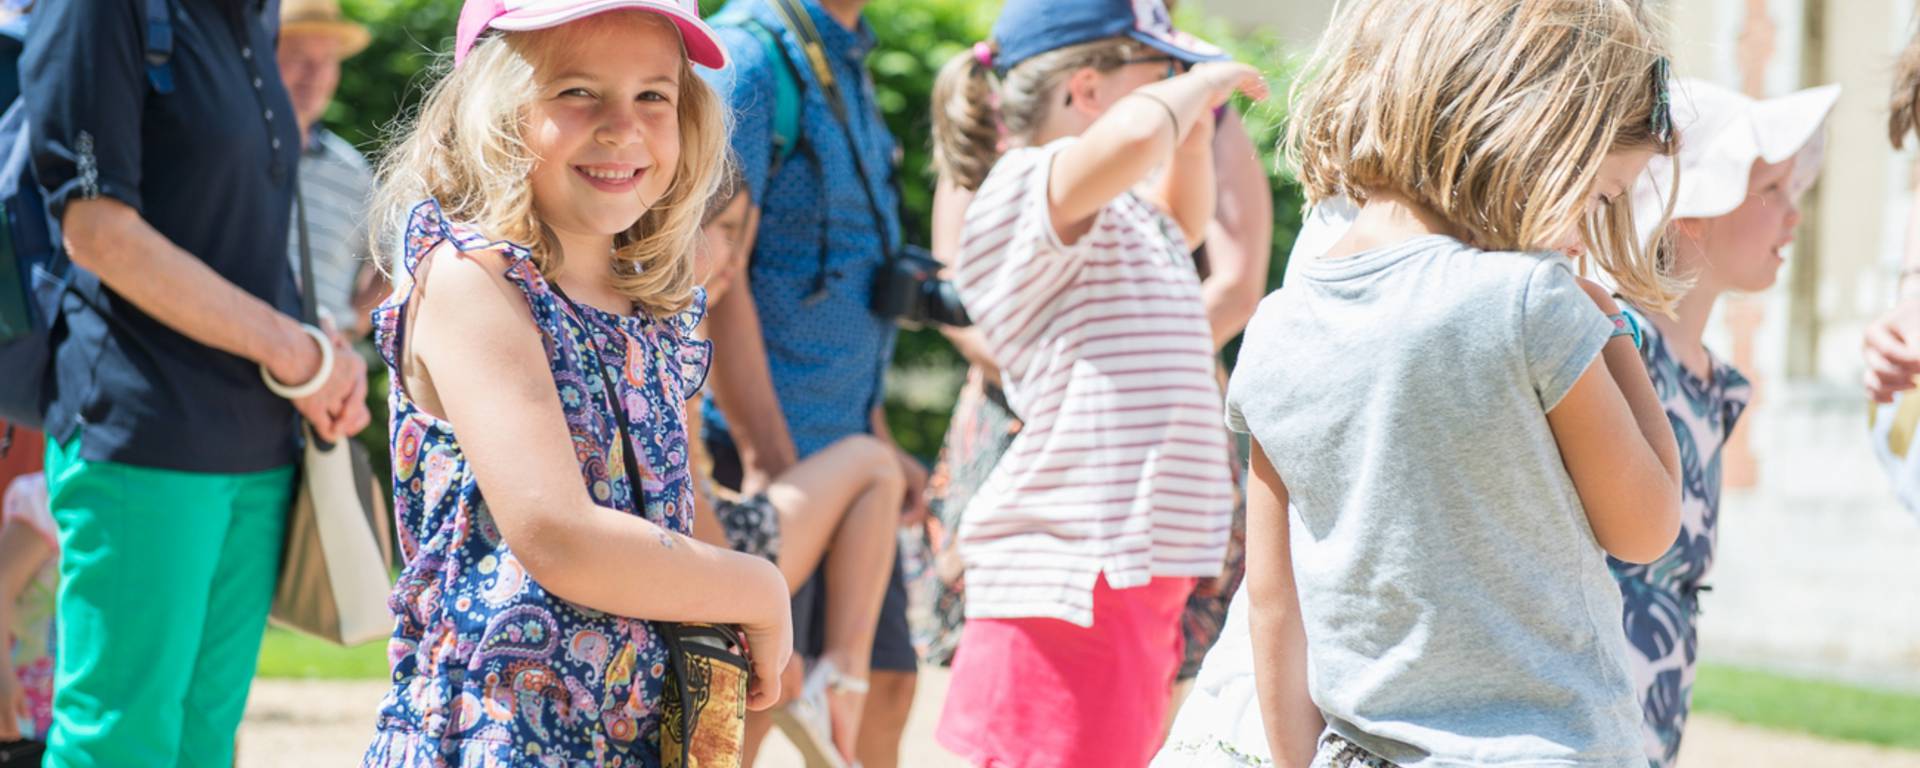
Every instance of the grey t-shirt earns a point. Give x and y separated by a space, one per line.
1458 610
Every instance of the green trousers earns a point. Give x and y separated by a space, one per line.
165 582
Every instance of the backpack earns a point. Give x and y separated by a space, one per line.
34 271
786 83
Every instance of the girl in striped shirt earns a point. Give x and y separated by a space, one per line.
1083 545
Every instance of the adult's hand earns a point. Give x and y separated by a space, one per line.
1891 351
913 506
338 409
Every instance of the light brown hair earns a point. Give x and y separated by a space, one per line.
1494 114
1901 108
464 148
976 111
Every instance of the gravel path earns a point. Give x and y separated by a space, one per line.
296 724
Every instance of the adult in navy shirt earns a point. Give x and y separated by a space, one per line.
799 357
170 459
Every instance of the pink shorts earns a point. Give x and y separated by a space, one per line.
1038 693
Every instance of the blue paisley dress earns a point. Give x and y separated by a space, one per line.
1661 598
489 669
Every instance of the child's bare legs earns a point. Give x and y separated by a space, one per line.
885 720
843 504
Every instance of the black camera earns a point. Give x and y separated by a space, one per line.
908 289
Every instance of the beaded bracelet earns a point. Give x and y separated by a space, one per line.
1625 325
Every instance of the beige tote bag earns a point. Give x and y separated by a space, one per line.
334 571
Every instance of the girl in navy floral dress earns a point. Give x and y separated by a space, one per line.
552 189
1744 164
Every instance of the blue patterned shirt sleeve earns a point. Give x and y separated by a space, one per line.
747 88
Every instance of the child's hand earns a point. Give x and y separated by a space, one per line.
769 646
15 699
1890 351
1601 297
1224 78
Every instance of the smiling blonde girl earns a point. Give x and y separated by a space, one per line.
540 342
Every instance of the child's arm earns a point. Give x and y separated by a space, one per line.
1293 722
1135 136
1240 238
1891 346
1188 189
1618 446
22 552
483 354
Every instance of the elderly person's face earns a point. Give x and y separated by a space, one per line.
310 65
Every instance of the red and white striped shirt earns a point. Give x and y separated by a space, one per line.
1121 465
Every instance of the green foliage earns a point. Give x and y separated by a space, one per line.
1828 710
389 77
915 38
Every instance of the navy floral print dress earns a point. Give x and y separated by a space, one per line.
489 669
1661 598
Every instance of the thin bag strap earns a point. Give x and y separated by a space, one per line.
613 399
309 306
309 309
677 655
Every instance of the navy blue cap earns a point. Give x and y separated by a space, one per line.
1028 28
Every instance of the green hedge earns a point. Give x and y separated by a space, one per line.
915 38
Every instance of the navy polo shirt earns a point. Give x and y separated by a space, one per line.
210 166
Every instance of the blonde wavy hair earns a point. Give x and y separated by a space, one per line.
464 148
976 111
1494 114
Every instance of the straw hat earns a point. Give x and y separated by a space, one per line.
323 17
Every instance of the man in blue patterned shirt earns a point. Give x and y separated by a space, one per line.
801 358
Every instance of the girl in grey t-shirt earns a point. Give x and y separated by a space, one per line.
1460 425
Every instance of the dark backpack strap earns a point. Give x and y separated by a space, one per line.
160 45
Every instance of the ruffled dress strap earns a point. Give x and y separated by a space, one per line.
691 355
427 227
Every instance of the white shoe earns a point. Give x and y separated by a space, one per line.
807 722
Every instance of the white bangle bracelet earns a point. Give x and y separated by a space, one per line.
319 377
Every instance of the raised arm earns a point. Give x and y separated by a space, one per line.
1293 723
1240 237
1187 188
1136 135
480 359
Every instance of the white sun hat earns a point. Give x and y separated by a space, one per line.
1720 133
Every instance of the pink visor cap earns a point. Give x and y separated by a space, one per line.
477 16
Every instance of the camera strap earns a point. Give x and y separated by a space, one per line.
800 23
